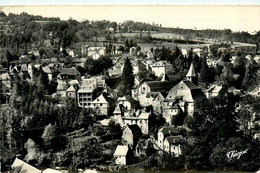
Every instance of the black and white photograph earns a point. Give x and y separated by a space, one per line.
129 86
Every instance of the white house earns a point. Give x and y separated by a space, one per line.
96 52
139 118
101 104
158 68
172 144
121 155
213 91
165 132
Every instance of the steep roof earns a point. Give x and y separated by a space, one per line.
187 90
121 150
159 85
130 99
169 130
21 166
71 89
190 85
159 95
191 72
214 89
174 139
144 115
47 69
100 99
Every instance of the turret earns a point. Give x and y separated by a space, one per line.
191 75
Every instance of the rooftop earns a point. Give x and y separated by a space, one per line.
191 72
121 150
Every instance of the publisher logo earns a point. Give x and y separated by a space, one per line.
235 154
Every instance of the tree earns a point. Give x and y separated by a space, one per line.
206 75
178 119
127 75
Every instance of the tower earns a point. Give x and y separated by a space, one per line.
191 75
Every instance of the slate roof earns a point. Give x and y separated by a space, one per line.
20 166
130 99
191 72
71 89
100 99
86 90
144 115
180 90
121 150
49 170
169 130
47 69
174 139
214 89
69 71
159 85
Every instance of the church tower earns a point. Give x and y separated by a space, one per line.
191 75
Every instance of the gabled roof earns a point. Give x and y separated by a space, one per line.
144 115
117 109
130 99
159 85
214 89
151 94
174 139
187 90
86 90
100 99
20 166
49 170
191 72
5 76
69 71
71 89
159 95
47 69
121 150
169 130
73 82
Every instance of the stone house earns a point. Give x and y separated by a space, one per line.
139 118
131 135
101 105
165 132
172 145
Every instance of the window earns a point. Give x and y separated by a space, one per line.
100 104
94 104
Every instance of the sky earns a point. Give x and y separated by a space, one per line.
128 2
231 14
